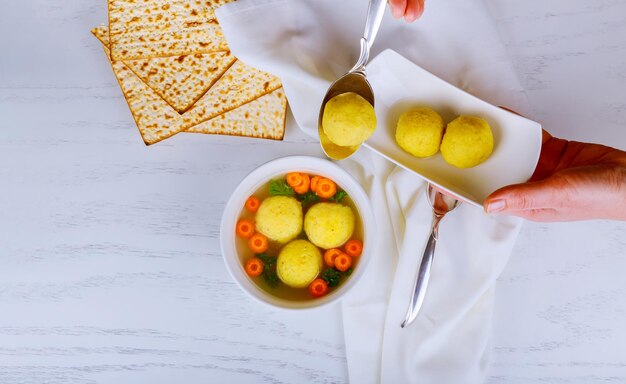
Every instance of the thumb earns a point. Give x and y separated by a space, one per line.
521 197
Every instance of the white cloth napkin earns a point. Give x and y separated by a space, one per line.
309 43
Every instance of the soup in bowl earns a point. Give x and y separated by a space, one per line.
297 232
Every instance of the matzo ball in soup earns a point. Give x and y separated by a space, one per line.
279 218
329 225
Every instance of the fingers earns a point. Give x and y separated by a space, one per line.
547 201
398 8
522 197
414 9
411 10
540 215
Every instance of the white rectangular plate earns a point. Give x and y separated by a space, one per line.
400 84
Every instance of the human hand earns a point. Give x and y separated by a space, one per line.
572 181
411 10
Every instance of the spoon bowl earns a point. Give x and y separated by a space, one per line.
440 202
355 82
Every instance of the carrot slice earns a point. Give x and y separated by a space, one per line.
318 288
303 187
294 179
354 248
326 188
343 262
314 181
254 267
330 256
258 243
245 228
252 204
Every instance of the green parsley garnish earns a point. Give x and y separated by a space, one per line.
308 199
331 276
280 188
269 269
271 278
339 196
268 261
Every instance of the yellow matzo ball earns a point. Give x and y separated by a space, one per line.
419 131
348 119
468 141
279 218
299 263
329 225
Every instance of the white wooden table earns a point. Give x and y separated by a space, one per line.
110 269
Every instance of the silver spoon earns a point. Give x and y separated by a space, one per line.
353 81
441 204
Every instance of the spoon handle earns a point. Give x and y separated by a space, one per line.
423 275
375 12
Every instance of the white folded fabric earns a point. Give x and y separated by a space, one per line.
308 44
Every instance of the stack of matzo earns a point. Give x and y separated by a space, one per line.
177 73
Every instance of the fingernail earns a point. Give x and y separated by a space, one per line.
410 17
496 206
396 12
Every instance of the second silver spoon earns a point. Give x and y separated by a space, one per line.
441 205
